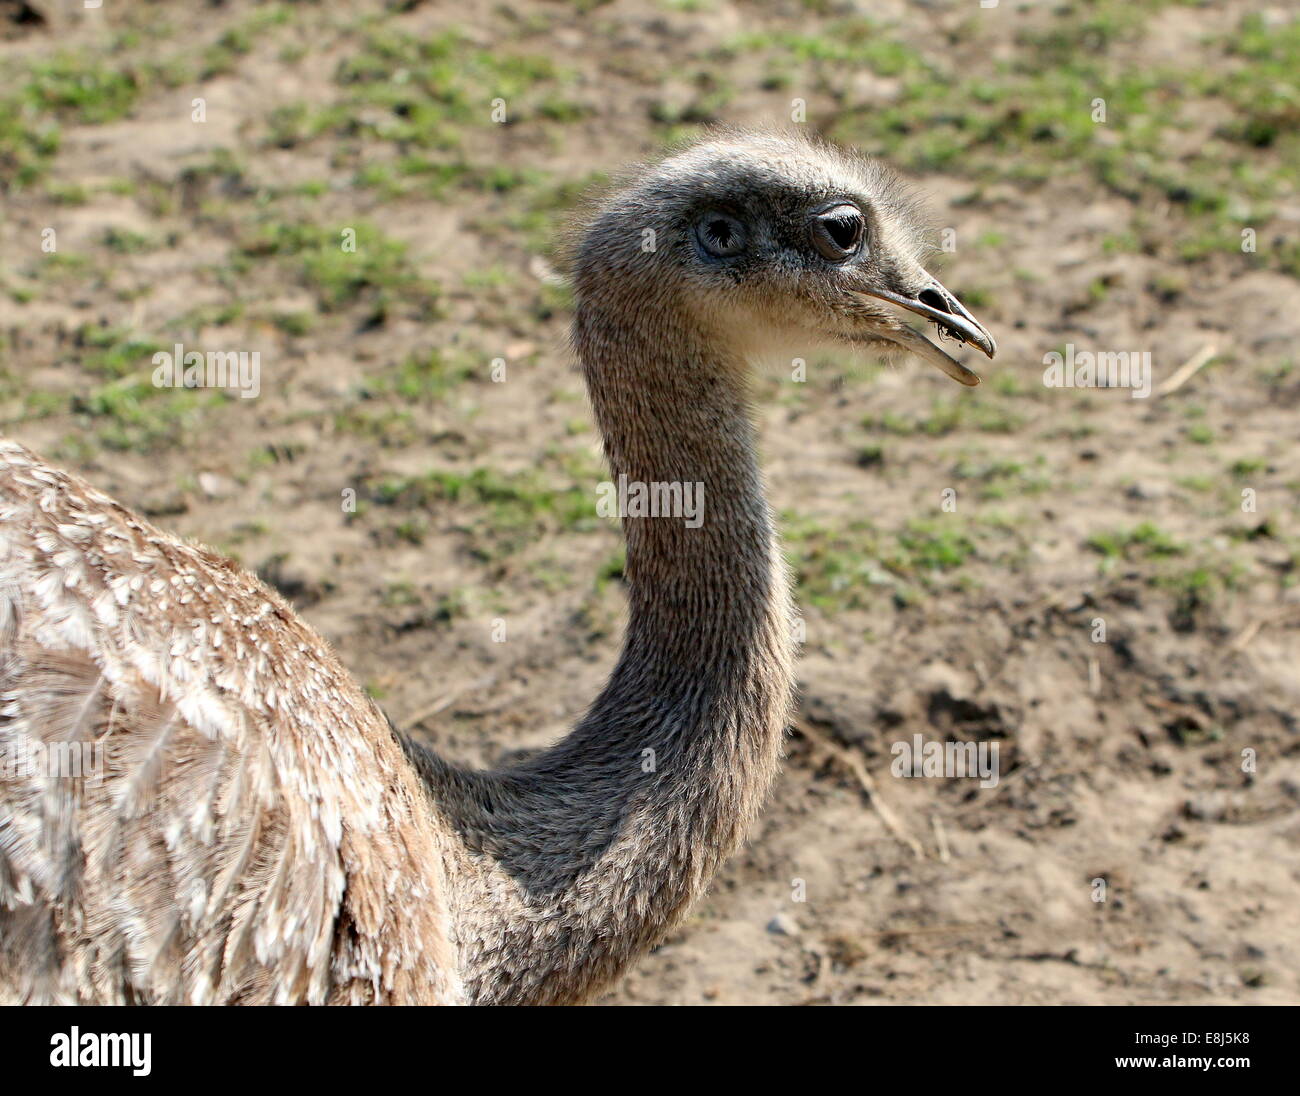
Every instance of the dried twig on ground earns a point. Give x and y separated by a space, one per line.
445 701
1187 370
855 765
1251 630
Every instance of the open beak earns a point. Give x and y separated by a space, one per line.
950 316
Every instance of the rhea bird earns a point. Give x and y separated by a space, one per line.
254 830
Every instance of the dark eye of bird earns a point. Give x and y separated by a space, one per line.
721 235
844 231
837 233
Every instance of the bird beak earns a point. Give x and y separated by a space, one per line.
952 319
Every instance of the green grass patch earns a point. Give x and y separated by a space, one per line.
504 514
342 265
949 415
132 415
115 353
425 87
424 376
1144 541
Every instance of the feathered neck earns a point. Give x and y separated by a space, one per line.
583 857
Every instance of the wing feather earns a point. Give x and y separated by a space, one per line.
197 805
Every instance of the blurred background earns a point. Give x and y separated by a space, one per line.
183 173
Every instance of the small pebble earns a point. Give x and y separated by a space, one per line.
783 925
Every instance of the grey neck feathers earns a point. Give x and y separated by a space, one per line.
578 860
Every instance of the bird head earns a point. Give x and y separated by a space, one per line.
775 241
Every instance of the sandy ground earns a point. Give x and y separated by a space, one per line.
1122 761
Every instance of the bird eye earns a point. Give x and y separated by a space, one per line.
721 235
837 233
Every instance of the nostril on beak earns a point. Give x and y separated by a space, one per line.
934 299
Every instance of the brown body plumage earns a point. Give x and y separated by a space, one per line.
254 830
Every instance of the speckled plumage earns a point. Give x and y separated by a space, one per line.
256 832
246 780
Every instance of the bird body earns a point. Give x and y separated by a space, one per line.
249 827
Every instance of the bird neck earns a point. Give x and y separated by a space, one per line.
583 857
